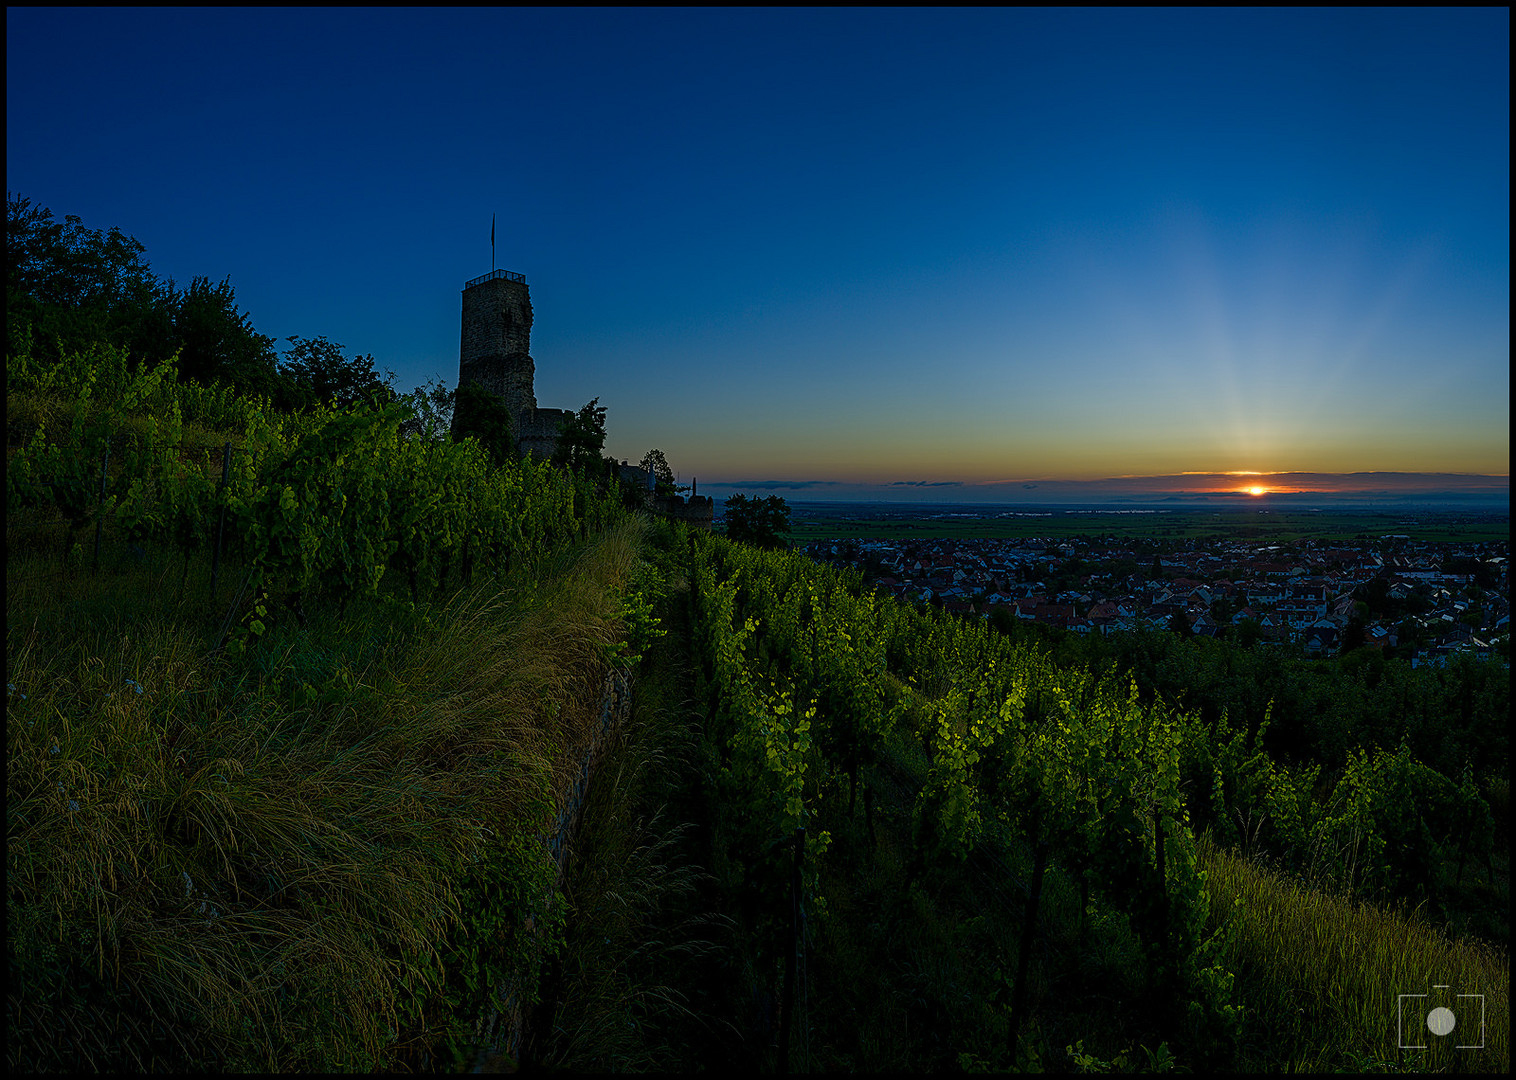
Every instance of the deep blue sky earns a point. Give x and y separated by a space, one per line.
867 247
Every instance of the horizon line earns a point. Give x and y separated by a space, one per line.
1221 483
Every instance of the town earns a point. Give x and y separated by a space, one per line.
1422 601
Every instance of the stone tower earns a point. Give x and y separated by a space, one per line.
495 353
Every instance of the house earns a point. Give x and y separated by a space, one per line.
1320 642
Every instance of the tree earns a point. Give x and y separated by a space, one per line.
316 371
1354 635
431 405
759 522
69 288
484 415
663 476
217 343
581 438
66 264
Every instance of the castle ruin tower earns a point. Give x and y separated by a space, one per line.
495 351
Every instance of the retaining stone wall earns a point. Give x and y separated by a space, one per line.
498 1033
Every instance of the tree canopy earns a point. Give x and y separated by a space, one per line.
217 343
664 482
65 264
581 439
431 405
69 287
317 371
759 522
485 416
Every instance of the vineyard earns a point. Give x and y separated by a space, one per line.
815 688
297 705
322 499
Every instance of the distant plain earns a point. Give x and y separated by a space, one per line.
938 521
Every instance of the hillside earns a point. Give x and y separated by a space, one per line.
324 761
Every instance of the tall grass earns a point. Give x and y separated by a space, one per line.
256 865
1322 977
642 935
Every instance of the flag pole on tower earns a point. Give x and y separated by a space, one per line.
492 243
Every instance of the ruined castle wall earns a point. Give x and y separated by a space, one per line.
698 510
537 431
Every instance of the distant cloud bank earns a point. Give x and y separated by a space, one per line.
771 485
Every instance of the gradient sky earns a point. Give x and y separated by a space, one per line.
890 252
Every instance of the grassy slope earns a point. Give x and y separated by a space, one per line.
262 864
223 846
1322 977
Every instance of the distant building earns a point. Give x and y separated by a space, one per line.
698 510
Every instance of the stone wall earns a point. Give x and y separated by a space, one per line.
537 431
698 510
498 1031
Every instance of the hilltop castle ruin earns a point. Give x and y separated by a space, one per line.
495 353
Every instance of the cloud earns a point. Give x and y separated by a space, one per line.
927 483
775 485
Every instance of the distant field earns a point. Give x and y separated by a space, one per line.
873 521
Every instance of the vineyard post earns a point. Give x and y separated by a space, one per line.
868 813
1167 958
105 458
226 468
1163 881
231 612
1033 900
1084 904
793 955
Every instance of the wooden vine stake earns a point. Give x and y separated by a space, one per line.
792 955
1028 927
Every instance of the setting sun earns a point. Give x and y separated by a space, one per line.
1257 491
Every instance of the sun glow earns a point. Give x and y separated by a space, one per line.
1258 491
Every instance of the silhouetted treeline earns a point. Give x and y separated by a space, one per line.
68 287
